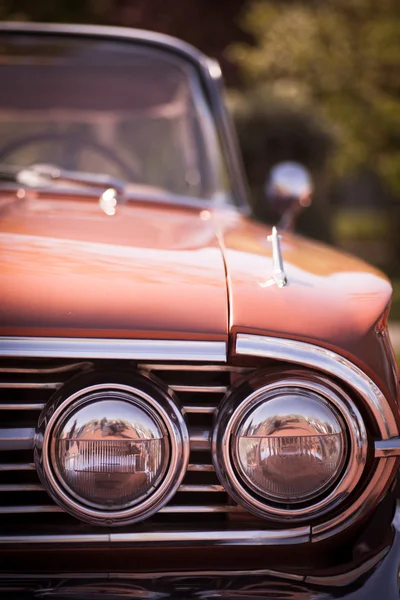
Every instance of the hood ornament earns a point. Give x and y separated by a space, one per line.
108 201
278 276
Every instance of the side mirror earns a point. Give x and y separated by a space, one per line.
288 191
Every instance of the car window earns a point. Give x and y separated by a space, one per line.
129 110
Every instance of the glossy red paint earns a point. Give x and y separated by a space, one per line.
331 299
67 269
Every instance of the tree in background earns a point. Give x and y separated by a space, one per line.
335 60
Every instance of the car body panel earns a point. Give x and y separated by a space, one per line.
365 577
83 273
67 269
331 299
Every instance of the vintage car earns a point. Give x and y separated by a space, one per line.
192 404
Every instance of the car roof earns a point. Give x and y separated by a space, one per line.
160 40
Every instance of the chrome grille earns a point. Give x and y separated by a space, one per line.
26 388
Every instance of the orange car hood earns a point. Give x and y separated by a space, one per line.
331 299
67 269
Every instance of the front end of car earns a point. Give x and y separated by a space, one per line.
191 404
145 457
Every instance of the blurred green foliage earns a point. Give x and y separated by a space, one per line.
370 225
337 60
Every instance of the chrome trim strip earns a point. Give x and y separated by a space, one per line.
197 488
21 487
387 448
194 467
137 349
194 389
22 406
170 509
30 386
153 574
249 537
199 438
213 368
99 538
202 508
16 439
17 467
205 409
62 369
307 354
253 537
31 467
22 510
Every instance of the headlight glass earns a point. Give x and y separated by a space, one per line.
291 448
111 453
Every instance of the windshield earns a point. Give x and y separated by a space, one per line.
102 106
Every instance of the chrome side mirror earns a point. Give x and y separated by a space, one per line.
288 191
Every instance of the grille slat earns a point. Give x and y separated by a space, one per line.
193 389
200 409
193 368
21 487
16 438
17 467
170 509
199 438
200 488
18 510
199 388
29 385
22 406
197 467
33 487
46 370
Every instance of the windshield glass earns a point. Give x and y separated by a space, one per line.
103 106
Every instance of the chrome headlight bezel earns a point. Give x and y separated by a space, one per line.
142 391
243 400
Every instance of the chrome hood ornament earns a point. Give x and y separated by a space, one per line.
278 275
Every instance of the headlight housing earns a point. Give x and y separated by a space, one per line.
292 449
112 453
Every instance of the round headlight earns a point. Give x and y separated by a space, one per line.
292 449
112 453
